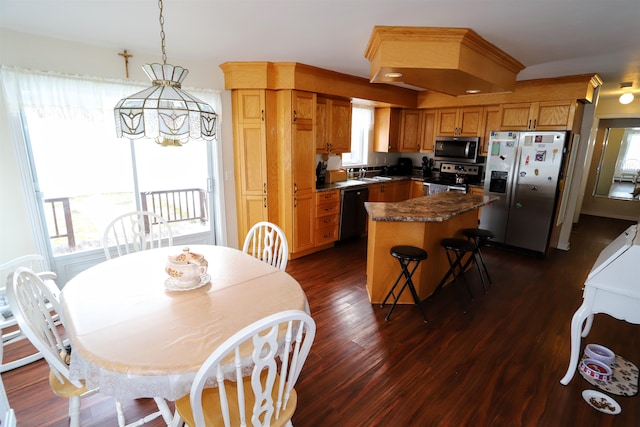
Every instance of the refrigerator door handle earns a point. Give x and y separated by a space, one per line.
513 179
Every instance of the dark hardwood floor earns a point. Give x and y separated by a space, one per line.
498 365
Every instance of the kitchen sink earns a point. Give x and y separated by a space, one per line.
376 178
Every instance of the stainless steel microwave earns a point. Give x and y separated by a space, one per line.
462 150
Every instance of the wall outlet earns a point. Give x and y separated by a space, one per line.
228 175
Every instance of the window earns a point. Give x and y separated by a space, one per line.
361 130
79 175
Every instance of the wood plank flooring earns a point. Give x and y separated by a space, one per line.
498 365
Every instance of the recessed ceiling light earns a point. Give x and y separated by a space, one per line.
393 75
472 91
626 98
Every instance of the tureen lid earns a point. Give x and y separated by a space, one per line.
187 257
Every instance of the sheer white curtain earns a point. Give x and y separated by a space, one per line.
75 109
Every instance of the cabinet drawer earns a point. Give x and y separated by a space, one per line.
327 209
327 197
326 221
326 235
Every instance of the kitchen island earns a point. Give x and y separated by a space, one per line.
420 222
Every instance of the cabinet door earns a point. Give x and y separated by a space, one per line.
447 122
252 158
304 107
410 131
491 123
303 159
428 131
375 194
402 190
386 128
554 115
417 189
470 121
251 106
322 125
303 219
515 116
339 126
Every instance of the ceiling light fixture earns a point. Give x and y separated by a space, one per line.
164 111
626 97
393 75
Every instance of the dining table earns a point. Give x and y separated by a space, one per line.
135 337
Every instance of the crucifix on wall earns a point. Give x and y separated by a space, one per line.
126 55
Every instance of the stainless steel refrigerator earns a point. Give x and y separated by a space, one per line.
523 170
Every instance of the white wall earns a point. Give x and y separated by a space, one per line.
32 52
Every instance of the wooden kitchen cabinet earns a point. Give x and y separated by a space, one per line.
466 121
391 191
478 191
491 123
547 115
253 128
410 131
333 125
428 131
327 217
386 130
296 168
417 189
402 190
417 131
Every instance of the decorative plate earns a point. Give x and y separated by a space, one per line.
601 402
170 285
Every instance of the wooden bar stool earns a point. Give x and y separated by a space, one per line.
456 249
479 237
406 255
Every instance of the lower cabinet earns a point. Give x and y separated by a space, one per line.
417 189
327 217
478 191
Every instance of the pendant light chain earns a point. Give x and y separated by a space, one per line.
164 55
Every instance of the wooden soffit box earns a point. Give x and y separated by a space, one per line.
447 60
580 87
293 75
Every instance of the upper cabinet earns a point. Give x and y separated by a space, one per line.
386 129
410 131
404 130
466 121
428 131
547 115
333 125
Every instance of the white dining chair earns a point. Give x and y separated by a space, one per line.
12 334
279 345
7 414
267 242
31 298
136 231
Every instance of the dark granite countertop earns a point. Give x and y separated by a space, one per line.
436 208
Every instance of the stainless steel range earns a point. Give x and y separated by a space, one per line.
453 177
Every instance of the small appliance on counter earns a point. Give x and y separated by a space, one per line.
405 166
321 172
427 167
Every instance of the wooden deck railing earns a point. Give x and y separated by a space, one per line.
176 205
60 210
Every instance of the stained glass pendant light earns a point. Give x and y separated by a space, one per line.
164 111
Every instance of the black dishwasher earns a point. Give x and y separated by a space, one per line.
353 216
